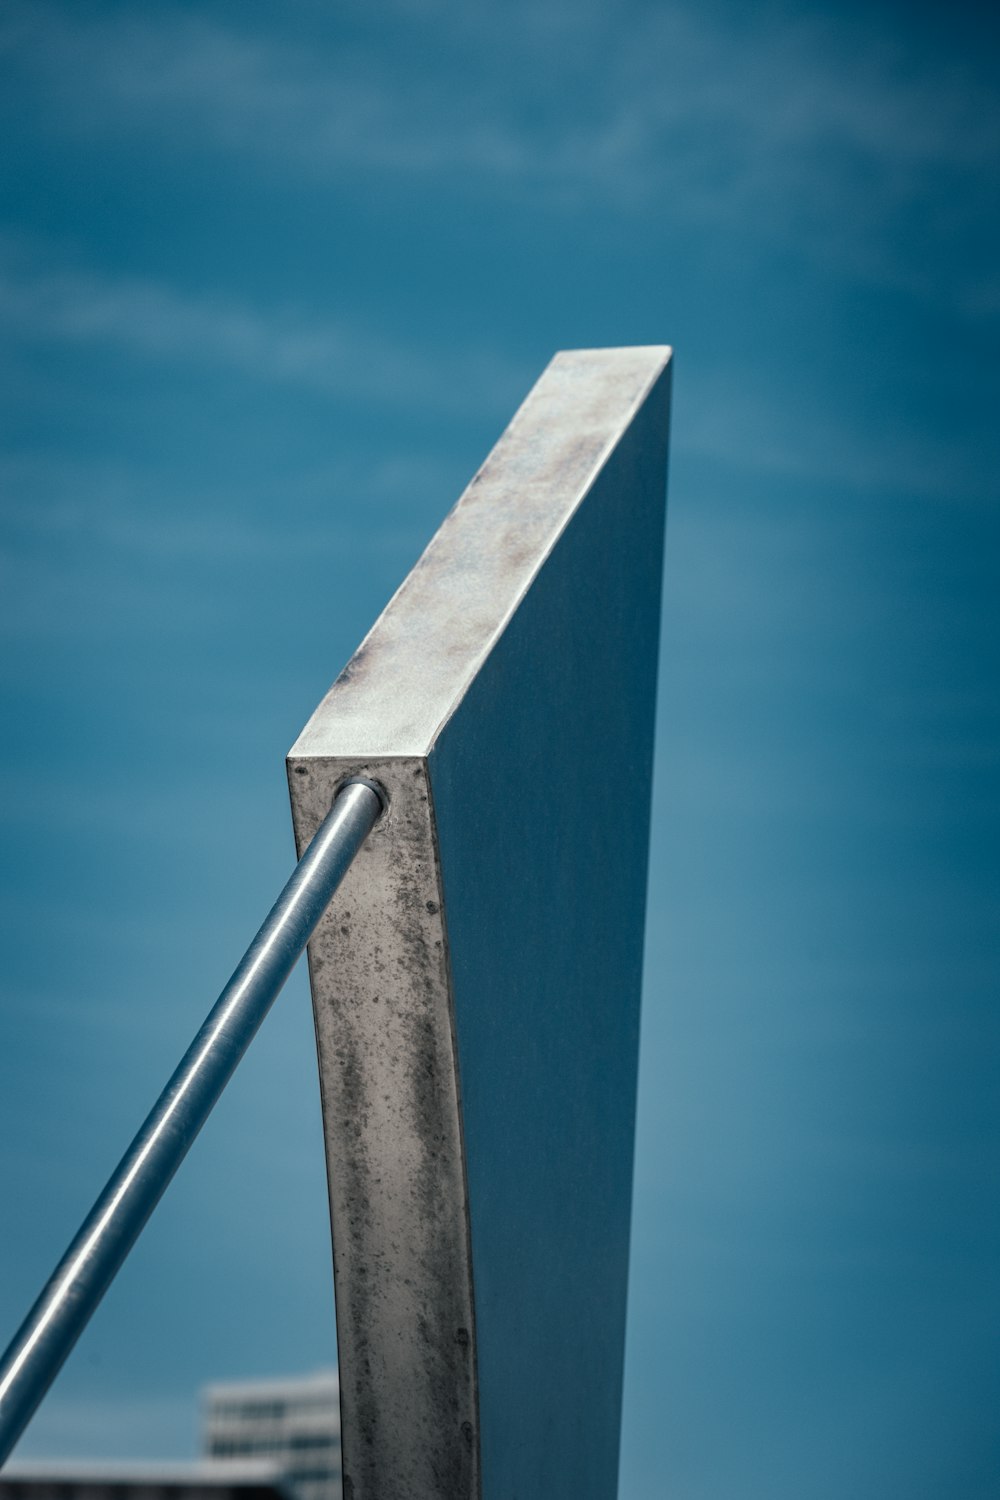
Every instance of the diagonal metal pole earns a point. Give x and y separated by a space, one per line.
78 1283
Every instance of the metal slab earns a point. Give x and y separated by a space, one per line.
476 991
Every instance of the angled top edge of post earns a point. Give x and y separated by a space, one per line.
414 666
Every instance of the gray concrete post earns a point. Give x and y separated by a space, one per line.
476 989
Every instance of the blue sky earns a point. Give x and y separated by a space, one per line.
272 279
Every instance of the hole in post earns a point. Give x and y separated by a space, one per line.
373 786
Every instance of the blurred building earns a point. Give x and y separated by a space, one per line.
83 1479
292 1424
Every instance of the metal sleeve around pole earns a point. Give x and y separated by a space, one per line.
73 1291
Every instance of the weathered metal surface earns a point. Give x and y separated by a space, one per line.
477 991
393 1142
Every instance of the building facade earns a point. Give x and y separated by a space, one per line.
87 1479
293 1424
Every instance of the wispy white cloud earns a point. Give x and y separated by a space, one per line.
822 131
774 432
736 422
107 542
64 503
286 345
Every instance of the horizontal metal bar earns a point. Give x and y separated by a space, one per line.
85 1272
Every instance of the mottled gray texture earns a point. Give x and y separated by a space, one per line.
411 670
379 976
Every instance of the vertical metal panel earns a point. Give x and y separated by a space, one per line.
477 1018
